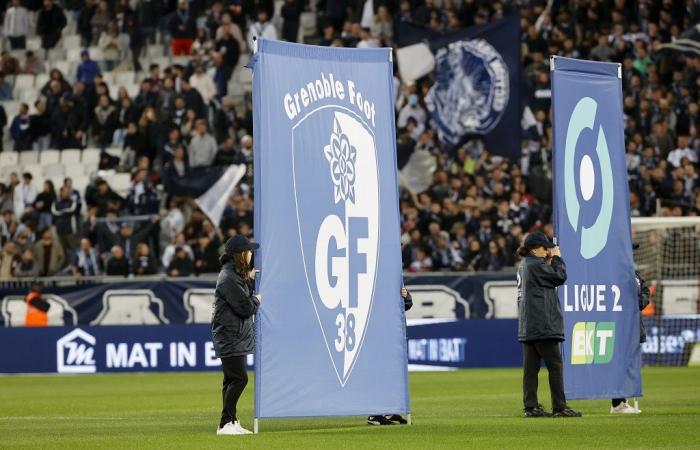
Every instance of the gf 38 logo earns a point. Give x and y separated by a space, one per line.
338 218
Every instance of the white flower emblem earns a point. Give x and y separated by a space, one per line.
341 155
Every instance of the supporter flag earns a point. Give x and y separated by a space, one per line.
214 200
477 80
331 329
602 355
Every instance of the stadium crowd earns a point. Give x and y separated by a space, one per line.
473 215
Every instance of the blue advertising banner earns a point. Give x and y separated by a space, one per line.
602 354
326 216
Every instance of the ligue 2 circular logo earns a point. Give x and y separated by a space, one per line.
595 237
471 89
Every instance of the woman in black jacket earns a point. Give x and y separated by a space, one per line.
541 323
235 305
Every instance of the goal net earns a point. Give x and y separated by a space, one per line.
668 258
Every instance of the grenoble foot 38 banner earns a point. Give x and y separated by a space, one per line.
331 329
602 354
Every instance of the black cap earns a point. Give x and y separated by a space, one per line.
240 243
537 239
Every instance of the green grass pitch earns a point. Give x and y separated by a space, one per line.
469 408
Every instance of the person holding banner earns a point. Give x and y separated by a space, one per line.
541 323
620 405
393 419
232 326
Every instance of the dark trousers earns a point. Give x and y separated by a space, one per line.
235 380
18 42
533 353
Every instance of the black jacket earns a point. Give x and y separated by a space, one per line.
232 318
539 313
643 296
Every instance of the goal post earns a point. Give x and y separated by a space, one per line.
668 258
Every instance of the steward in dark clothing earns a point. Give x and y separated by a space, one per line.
235 305
540 322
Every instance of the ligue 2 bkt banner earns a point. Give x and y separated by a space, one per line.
330 333
602 354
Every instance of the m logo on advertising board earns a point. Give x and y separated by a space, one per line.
593 236
338 147
75 353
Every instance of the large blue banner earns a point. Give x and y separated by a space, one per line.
592 223
331 329
476 89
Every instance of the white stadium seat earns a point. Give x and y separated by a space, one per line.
34 43
7 169
91 157
73 54
96 53
66 68
124 78
24 81
11 109
8 158
49 156
28 158
72 41
28 96
75 170
34 169
41 80
80 183
70 157
53 170
120 183
57 54
132 90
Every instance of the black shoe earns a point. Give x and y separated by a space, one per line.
396 418
567 412
537 411
378 420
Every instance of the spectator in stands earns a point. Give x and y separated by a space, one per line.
291 13
26 267
683 151
3 122
137 38
5 88
44 203
87 69
8 260
16 25
182 29
383 27
261 28
86 262
20 129
229 29
181 264
40 126
32 64
50 24
65 220
9 64
143 263
117 264
49 255
193 99
67 124
206 254
203 83
104 122
202 45
99 20
84 22
24 195
202 149
111 45
167 94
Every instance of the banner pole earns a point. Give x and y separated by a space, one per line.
408 419
636 405
255 426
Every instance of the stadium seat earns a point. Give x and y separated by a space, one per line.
132 90
7 169
163 62
71 41
53 170
11 109
8 158
27 158
155 51
125 78
24 81
66 68
73 54
120 183
34 169
57 181
75 170
91 157
57 54
307 24
34 43
70 157
115 151
181 60
96 53
40 80
28 96
49 157
80 182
